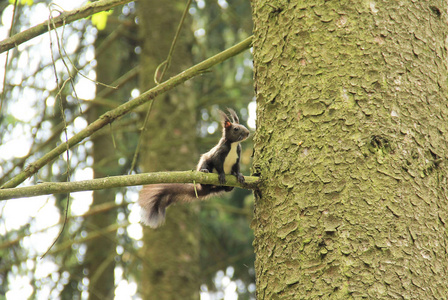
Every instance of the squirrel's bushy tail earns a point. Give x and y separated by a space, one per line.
154 198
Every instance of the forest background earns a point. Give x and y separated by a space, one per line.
56 84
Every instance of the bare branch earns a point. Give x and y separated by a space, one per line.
64 18
125 108
48 188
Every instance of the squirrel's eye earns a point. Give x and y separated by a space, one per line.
236 129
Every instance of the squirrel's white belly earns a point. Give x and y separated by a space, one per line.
231 158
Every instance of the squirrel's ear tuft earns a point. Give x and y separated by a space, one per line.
233 115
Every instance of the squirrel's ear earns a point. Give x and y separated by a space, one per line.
227 124
224 118
233 115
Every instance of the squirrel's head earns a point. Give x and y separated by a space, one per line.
232 130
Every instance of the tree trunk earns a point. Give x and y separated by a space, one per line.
100 257
172 251
351 145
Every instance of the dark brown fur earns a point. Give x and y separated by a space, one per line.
155 198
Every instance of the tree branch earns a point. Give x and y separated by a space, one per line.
122 181
64 18
121 110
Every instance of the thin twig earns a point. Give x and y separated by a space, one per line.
65 126
167 62
140 138
7 56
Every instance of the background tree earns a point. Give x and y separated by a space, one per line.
351 145
115 57
168 143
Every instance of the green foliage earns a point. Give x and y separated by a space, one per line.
99 20
23 2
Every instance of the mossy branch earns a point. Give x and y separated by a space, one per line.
125 108
48 188
64 18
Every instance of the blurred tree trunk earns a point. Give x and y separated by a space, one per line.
112 62
352 144
172 251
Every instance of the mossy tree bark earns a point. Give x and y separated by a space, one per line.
172 251
351 145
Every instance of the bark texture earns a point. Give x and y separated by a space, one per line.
172 251
351 143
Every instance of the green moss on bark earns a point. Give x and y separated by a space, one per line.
351 145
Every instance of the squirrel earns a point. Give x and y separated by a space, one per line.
223 159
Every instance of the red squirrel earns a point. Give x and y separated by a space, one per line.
223 159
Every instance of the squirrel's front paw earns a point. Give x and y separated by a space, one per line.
204 171
222 178
240 178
